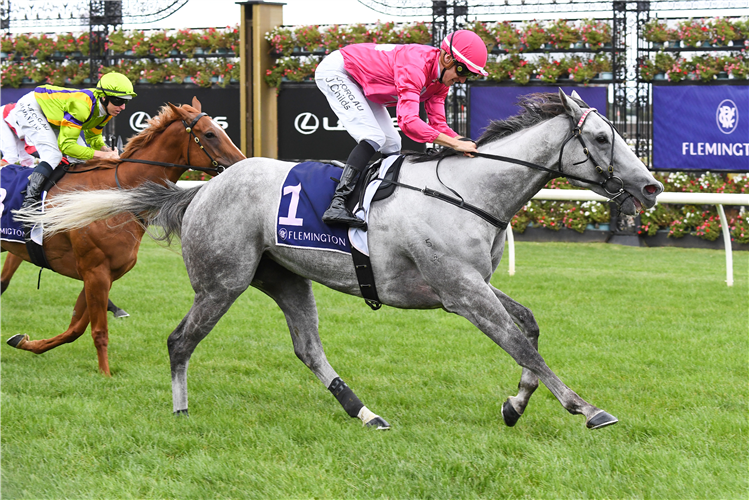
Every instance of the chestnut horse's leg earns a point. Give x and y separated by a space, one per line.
96 284
10 267
77 327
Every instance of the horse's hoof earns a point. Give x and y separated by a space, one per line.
120 313
15 340
378 423
181 413
509 415
601 419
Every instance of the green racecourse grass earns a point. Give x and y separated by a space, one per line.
653 336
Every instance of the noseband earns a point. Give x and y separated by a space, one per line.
188 128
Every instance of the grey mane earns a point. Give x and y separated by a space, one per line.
536 108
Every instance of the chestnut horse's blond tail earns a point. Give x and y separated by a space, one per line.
151 203
73 210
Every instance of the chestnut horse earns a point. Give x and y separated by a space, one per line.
179 138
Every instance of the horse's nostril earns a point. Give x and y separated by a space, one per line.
651 188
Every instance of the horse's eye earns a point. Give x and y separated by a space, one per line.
210 135
602 139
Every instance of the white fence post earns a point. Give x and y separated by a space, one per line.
727 240
511 249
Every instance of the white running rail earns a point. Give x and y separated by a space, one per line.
717 199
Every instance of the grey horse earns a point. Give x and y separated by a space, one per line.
425 253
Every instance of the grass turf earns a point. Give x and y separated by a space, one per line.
652 336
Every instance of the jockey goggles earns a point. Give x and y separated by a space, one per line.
117 101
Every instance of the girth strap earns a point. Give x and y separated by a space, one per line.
365 277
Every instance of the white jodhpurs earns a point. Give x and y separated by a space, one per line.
13 148
363 119
35 129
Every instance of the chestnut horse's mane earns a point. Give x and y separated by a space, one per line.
156 125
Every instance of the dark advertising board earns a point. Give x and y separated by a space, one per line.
495 102
701 127
309 130
221 104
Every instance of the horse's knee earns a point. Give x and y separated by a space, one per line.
101 338
528 323
3 286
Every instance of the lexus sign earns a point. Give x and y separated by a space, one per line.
221 104
309 130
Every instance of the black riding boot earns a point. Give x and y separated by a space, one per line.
337 213
36 181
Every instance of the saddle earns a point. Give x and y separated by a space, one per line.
370 174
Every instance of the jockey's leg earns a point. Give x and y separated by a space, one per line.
36 181
337 213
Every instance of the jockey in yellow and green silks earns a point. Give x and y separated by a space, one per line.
52 119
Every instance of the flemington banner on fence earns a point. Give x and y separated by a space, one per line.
497 102
699 127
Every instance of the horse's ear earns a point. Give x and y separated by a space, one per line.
570 106
575 95
196 104
178 110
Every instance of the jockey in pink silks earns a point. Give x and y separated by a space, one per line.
361 80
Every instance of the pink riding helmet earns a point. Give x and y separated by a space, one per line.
467 47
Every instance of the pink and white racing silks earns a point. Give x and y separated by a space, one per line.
15 149
402 76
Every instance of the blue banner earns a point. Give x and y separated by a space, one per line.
10 94
700 127
488 102
305 195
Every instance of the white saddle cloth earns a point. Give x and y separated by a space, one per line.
357 237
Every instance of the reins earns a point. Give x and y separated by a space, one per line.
218 168
576 133
458 202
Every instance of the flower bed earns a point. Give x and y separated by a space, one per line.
203 57
678 220
724 37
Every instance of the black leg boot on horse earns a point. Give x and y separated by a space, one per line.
337 213
38 177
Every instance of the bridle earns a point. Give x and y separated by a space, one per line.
218 168
612 184
189 129
607 185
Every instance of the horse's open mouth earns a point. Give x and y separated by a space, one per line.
638 205
630 205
